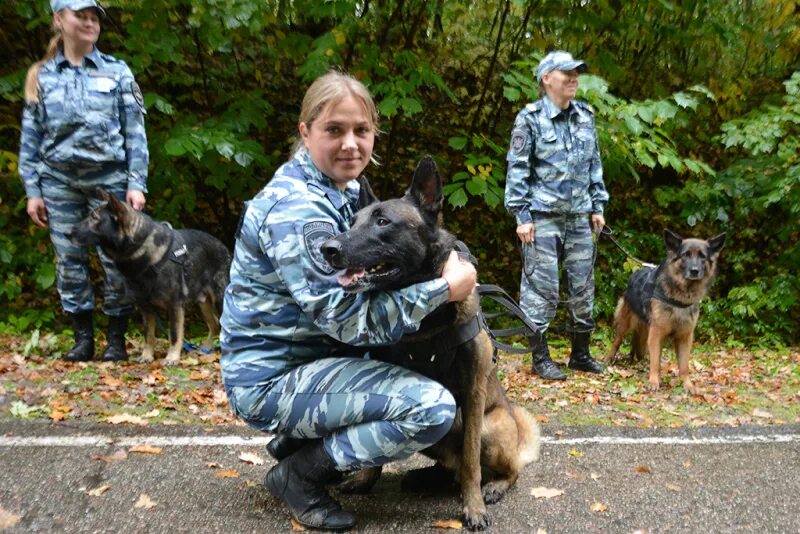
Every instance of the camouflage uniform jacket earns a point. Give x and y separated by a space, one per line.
554 162
284 305
87 119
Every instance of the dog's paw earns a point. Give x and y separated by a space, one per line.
171 362
477 520
145 359
493 492
652 386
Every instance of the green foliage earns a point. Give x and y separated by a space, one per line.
698 130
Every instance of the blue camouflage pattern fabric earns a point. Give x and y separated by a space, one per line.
555 181
290 333
567 238
559 60
89 118
367 412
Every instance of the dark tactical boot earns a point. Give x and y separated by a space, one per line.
115 339
580 359
299 481
542 364
282 446
83 329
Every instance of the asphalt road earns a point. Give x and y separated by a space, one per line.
707 480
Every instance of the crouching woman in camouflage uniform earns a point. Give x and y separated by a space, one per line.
82 127
289 332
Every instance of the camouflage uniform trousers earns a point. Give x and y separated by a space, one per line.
66 206
368 412
566 237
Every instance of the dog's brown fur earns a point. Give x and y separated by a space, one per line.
684 279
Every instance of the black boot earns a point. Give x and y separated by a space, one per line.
299 481
83 329
115 339
542 364
282 446
580 359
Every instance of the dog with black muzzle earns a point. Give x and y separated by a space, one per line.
662 302
399 242
164 269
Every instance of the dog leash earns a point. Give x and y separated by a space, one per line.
188 346
511 309
608 233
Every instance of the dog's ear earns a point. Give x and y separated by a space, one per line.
672 240
102 194
716 243
365 195
426 186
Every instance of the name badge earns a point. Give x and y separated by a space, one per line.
102 85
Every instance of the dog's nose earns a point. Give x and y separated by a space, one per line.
331 251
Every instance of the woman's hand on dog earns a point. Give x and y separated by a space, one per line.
460 276
135 199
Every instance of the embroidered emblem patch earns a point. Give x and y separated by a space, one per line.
314 235
137 94
518 139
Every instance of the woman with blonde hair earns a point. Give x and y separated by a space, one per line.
82 127
290 332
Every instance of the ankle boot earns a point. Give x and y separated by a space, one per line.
83 329
542 364
580 359
299 481
115 339
282 446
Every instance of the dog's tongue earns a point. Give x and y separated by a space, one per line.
350 276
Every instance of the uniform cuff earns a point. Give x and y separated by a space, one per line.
524 217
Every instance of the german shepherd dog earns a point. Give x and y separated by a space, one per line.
664 302
399 242
164 269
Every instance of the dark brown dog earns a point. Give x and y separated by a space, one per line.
663 302
394 244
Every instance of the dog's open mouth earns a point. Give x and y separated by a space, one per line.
356 278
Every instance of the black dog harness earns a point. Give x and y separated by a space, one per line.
644 282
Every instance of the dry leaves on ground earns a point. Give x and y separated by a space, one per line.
546 493
145 502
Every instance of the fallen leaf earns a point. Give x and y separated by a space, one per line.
673 487
57 415
7 519
99 491
448 523
546 493
763 414
642 469
111 381
598 507
297 527
118 456
126 418
541 531
594 476
213 465
153 413
250 458
145 502
575 453
542 419
228 473
145 449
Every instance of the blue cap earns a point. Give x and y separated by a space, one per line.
559 60
76 5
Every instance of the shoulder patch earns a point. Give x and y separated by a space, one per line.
137 94
533 106
519 139
314 235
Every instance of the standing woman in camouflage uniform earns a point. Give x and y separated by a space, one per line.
289 331
82 127
555 189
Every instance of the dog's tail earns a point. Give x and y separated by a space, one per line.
529 435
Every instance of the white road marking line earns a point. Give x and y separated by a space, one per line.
240 441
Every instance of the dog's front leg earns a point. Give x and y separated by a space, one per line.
683 346
655 337
475 515
149 337
176 318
